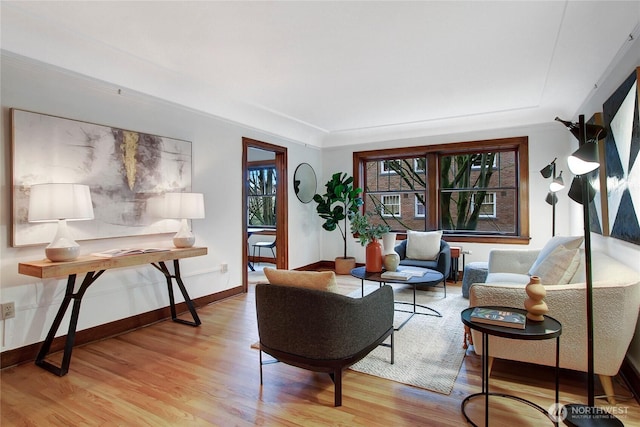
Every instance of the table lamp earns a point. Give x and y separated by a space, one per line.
60 202
184 206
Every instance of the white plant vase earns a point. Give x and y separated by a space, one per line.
388 242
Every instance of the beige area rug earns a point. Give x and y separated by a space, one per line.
428 349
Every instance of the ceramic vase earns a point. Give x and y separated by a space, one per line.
388 243
534 304
373 257
390 259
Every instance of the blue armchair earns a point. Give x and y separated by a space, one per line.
442 263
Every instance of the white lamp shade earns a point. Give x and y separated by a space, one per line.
557 184
584 159
52 202
184 205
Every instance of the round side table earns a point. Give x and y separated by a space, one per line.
549 328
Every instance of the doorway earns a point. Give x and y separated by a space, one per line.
249 148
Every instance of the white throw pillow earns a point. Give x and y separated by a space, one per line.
559 267
423 245
569 242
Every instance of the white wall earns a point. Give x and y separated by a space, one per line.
217 172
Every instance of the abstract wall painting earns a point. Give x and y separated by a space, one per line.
598 207
622 147
127 173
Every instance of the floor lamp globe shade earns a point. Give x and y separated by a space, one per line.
184 206
584 159
57 202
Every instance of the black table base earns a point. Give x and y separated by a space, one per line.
548 329
430 278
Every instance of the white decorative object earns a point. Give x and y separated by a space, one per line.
184 206
60 202
388 242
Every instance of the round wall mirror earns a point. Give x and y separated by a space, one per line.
304 182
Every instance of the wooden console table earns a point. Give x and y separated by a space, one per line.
94 267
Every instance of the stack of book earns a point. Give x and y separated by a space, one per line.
405 274
396 275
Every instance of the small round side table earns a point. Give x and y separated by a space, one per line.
549 328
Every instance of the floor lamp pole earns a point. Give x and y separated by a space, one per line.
553 206
579 415
589 283
588 273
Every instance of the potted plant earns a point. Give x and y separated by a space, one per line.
365 231
336 206
369 234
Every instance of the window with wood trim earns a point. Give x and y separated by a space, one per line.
262 194
473 191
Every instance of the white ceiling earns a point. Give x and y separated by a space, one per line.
329 73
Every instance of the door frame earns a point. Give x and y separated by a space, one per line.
282 230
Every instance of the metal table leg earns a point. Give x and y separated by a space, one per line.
176 268
62 370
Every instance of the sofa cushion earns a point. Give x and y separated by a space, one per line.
430 264
507 278
569 242
423 245
320 280
559 267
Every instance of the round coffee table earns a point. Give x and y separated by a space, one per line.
428 278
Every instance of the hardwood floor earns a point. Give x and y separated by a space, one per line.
169 374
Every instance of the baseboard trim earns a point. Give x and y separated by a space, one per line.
28 353
317 266
322 265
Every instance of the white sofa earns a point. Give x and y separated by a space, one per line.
616 304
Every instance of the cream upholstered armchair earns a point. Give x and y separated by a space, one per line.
616 304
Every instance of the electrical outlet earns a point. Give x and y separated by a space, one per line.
8 310
224 267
